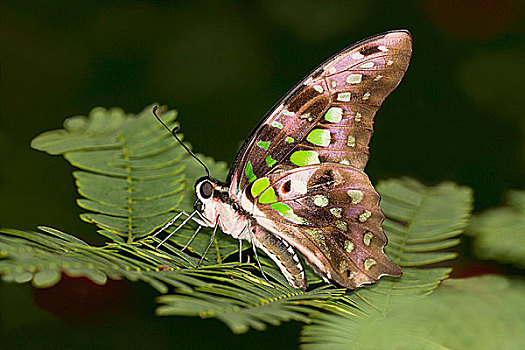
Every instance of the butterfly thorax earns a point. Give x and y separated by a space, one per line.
220 208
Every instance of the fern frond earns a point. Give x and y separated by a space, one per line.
420 222
499 233
229 291
243 304
135 176
42 258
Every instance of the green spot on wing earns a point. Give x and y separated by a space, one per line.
302 158
334 115
260 185
270 161
277 125
263 144
319 137
287 212
281 208
249 172
268 196
290 139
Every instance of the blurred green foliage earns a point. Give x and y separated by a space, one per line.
475 313
499 233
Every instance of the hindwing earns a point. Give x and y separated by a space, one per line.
331 215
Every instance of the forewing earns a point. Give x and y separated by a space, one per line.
327 117
331 215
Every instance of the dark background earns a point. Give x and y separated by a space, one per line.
459 115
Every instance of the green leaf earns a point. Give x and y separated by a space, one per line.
45 278
247 303
42 258
477 313
229 292
499 233
135 177
419 221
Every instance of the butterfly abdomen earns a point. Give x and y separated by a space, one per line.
283 254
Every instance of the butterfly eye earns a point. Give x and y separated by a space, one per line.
235 206
206 190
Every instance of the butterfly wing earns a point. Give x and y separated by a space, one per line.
331 215
300 174
328 116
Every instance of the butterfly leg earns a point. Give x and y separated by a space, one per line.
256 256
209 244
189 217
191 238
168 224
240 251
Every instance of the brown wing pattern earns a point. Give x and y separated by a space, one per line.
328 117
332 216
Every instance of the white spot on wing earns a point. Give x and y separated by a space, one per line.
318 88
320 200
332 70
354 78
341 225
334 115
288 113
277 125
383 48
349 246
378 77
367 65
367 238
365 215
355 195
369 263
366 96
336 212
343 97
351 141
357 56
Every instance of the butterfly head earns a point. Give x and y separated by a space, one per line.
210 194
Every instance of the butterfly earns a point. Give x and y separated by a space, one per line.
297 183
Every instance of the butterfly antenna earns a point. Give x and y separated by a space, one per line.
173 132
